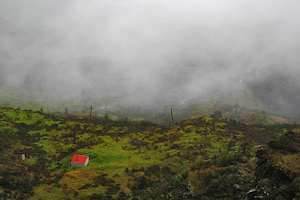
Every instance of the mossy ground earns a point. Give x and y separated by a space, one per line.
127 158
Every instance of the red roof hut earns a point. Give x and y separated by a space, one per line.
79 161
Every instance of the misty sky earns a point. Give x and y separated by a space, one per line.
130 30
149 48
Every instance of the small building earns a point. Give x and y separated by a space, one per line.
79 161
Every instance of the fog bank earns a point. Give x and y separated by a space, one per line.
150 52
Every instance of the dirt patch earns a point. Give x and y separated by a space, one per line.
72 177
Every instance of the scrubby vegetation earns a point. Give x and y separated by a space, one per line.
128 159
248 110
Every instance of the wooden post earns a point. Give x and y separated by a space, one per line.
236 106
91 112
105 110
172 119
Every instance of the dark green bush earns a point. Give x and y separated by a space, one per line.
225 159
217 114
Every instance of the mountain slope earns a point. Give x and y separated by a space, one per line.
127 159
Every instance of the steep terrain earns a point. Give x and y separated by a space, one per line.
129 160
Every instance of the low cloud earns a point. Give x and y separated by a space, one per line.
143 51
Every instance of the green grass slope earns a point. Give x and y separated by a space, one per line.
127 159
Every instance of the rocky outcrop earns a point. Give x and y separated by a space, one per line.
275 176
181 191
287 144
270 180
266 168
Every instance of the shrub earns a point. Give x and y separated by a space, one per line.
224 159
143 183
217 114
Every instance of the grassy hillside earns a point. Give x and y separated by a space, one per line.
242 106
127 159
